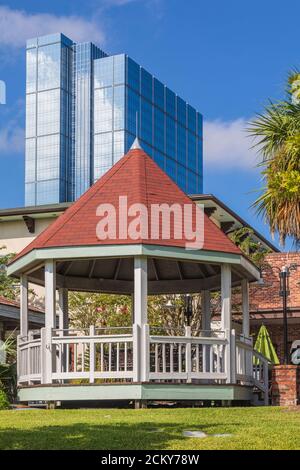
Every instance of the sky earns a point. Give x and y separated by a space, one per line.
227 59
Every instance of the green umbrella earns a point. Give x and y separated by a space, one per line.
264 346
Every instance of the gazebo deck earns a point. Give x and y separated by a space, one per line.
110 360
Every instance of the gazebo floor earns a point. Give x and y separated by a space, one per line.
135 391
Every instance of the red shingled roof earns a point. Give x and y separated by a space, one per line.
139 178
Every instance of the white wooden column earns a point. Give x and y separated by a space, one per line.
226 322
63 307
24 305
141 365
50 316
245 308
206 310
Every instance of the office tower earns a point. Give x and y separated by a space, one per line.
84 110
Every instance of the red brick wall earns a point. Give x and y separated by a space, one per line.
276 334
285 386
266 297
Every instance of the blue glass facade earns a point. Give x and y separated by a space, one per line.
83 111
129 100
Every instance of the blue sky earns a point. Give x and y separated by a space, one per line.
225 58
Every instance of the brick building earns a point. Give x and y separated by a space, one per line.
266 304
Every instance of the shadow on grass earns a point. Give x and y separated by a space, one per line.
145 436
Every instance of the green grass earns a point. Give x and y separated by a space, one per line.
251 428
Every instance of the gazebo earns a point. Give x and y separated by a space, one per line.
91 248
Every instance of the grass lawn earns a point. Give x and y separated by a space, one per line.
159 429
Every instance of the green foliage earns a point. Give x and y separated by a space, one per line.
277 134
4 403
243 238
9 287
107 311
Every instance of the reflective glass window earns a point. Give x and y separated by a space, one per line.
48 157
191 112
159 94
133 110
146 121
48 114
30 160
133 75
31 115
119 69
49 67
103 109
30 194
103 72
48 192
146 85
181 145
181 111
31 70
181 177
192 186
103 153
171 168
170 137
119 149
119 107
192 152
159 130
171 103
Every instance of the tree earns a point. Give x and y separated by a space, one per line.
243 238
9 287
277 131
114 311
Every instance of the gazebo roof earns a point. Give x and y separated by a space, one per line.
140 179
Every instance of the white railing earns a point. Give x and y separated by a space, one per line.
187 357
244 360
92 357
261 374
29 365
133 355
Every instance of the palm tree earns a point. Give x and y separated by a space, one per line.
277 132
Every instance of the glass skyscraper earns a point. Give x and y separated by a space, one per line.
83 112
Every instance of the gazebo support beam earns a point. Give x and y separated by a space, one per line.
245 308
140 319
206 310
24 305
63 313
50 316
226 321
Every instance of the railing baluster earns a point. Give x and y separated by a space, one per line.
109 357
164 357
171 358
125 356
156 359
118 358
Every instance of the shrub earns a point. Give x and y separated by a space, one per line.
4 403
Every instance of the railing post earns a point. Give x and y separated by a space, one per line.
18 359
146 354
43 355
136 352
29 339
233 357
188 353
227 356
92 354
48 356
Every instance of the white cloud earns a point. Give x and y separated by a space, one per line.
227 145
16 26
11 139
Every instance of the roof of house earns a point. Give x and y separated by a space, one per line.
15 303
142 181
228 219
